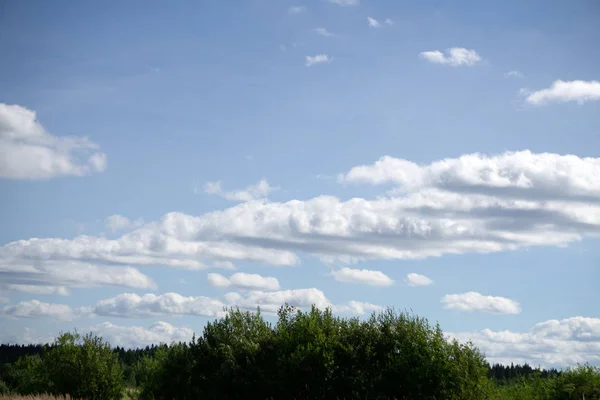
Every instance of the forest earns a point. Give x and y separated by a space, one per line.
303 355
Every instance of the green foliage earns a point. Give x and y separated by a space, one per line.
316 355
84 367
304 355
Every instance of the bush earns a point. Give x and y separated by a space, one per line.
84 367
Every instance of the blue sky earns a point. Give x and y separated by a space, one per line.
174 98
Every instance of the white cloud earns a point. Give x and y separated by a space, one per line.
473 301
37 289
389 21
137 336
413 279
553 343
323 32
296 9
455 56
254 192
373 23
565 91
35 309
24 268
318 59
130 305
345 2
241 280
364 276
28 151
513 74
471 204
117 223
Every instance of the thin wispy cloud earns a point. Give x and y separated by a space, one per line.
513 74
318 59
373 23
345 3
323 32
455 57
254 192
296 10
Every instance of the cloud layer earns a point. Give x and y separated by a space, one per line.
553 343
471 204
28 151
473 301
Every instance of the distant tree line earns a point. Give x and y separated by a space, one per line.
304 355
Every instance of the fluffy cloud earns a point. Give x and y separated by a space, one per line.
364 276
553 343
470 204
28 151
345 2
322 32
36 309
254 192
455 56
296 9
565 91
473 301
130 305
318 59
133 305
137 336
242 280
117 223
413 279
37 289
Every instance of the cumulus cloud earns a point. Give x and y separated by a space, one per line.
138 336
470 204
318 59
242 280
296 9
36 309
473 301
566 91
323 32
28 151
345 3
254 192
116 223
364 276
131 305
413 279
455 57
553 343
